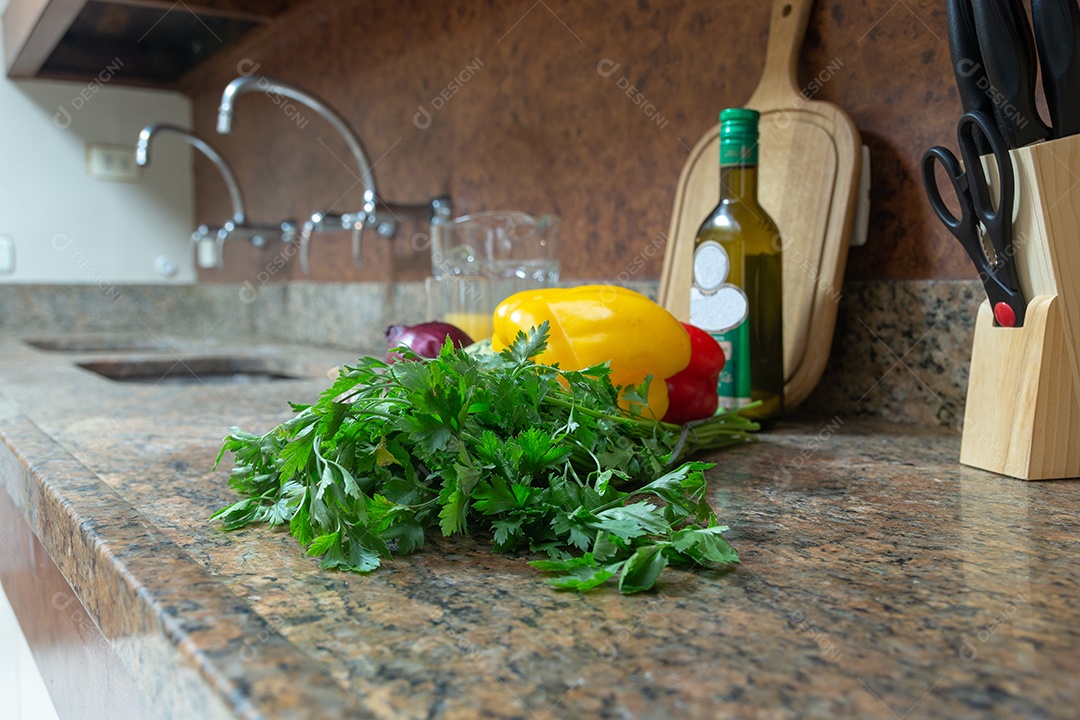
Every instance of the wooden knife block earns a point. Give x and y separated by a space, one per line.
1022 416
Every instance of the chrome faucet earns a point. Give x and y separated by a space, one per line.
237 225
319 221
241 85
384 217
142 159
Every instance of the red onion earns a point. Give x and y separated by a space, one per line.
425 339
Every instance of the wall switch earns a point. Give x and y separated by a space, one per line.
115 163
7 254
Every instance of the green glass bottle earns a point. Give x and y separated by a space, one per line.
736 294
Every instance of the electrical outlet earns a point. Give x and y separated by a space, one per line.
7 254
115 163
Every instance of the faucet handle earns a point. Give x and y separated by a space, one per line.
222 236
442 208
357 222
387 228
289 230
318 222
357 235
305 240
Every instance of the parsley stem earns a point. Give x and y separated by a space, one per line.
555 400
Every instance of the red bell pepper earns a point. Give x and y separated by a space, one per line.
692 391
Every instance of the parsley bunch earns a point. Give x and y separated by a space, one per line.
532 456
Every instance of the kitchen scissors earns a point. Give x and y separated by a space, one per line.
997 272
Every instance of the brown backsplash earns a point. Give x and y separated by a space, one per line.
524 105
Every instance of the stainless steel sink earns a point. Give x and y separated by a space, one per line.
191 371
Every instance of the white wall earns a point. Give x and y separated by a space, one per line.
69 228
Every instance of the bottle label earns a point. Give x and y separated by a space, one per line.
715 304
721 309
733 387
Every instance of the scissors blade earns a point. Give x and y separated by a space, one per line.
998 275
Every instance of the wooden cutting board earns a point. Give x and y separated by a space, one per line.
810 156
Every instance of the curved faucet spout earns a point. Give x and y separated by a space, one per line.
142 158
272 87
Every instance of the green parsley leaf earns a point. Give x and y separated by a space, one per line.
581 574
640 572
529 456
323 543
526 346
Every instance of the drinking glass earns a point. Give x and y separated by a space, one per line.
479 260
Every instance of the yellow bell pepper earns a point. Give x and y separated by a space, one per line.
592 324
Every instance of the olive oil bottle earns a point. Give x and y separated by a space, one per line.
736 293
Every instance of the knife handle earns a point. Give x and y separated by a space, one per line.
968 67
1006 45
966 57
1023 33
1057 36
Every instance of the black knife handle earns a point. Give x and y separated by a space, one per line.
1023 32
1006 46
1057 35
967 60
968 67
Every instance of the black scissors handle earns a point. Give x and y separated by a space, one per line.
959 226
971 187
976 206
996 217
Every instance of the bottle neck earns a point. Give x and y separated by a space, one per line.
739 183
738 166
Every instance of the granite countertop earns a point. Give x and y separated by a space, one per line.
880 578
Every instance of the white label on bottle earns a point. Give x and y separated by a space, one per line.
711 266
715 305
721 311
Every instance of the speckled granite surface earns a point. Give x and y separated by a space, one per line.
325 314
901 350
192 309
880 579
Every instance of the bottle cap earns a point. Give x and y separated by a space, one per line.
739 121
739 136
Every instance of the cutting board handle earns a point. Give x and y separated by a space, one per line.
779 84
